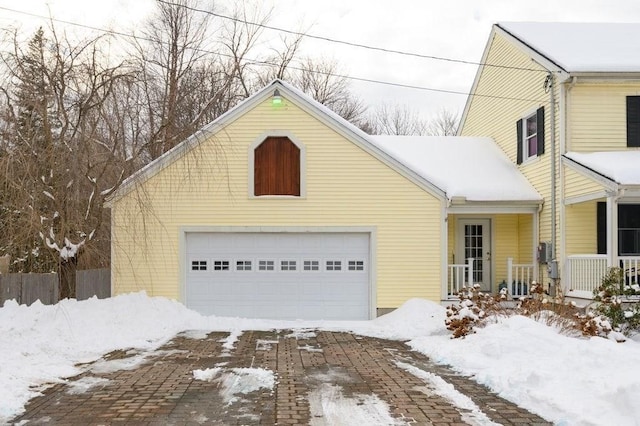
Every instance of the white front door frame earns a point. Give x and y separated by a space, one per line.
487 248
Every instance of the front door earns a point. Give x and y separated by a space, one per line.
474 241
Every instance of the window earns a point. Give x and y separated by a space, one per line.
530 136
287 265
355 265
628 229
311 265
198 265
243 265
266 265
276 167
334 265
220 265
633 121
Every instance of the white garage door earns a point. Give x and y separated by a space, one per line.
279 275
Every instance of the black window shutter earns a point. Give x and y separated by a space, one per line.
602 227
519 125
633 121
540 129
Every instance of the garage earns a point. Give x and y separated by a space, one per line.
279 275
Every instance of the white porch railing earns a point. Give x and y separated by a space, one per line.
584 272
519 278
459 275
629 266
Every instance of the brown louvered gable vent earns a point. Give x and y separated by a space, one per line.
633 121
277 167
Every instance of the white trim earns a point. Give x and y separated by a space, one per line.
493 209
612 230
584 198
251 160
536 56
585 171
459 243
525 141
371 231
444 251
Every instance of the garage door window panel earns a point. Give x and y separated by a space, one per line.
199 265
243 265
355 265
311 265
288 265
266 265
333 265
277 167
221 265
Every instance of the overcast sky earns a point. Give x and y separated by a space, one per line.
456 29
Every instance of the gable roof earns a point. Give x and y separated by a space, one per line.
620 167
474 168
300 99
582 47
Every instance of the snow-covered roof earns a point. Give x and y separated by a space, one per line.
474 168
618 166
582 47
465 167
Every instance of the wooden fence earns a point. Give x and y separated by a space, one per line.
27 288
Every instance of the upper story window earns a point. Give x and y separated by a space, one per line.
530 136
633 121
276 167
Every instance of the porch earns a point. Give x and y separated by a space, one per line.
584 272
496 252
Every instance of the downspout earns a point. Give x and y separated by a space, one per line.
552 129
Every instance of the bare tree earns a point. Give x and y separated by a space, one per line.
322 80
58 158
174 57
397 120
445 123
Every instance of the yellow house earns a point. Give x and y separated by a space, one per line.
562 100
282 209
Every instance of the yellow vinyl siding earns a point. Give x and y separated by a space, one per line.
576 184
597 115
512 95
581 230
345 187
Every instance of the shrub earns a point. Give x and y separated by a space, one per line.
618 304
474 307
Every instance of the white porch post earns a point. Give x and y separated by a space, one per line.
509 271
612 230
470 271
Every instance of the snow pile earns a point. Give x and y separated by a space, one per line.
237 380
43 343
619 166
564 379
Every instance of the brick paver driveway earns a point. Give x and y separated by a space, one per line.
319 376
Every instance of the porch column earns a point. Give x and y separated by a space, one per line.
612 230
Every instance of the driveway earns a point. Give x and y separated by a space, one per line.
272 377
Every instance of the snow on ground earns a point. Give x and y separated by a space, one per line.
436 384
328 406
237 380
572 381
